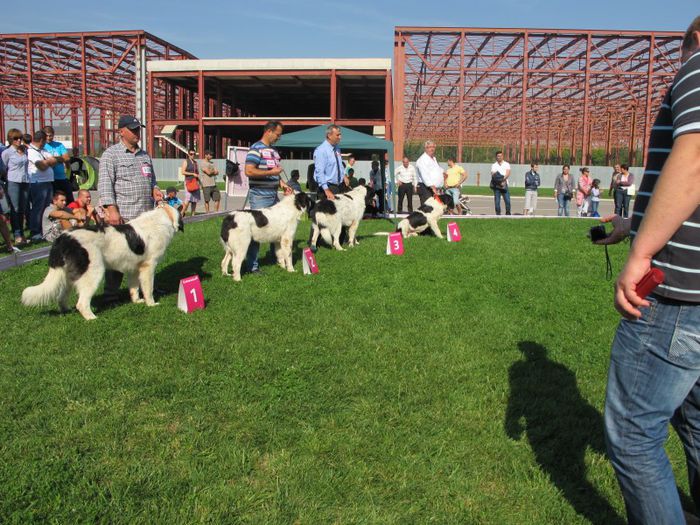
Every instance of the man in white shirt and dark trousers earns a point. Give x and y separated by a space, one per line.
40 169
431 176
408 183
500 172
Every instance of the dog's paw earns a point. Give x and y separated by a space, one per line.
313 248
89 316
138 300
151 303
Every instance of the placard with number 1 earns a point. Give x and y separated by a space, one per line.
190 296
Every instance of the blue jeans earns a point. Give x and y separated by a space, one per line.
622 202
594 208
41 194
18 195
654 379
259 198
563 205
497 200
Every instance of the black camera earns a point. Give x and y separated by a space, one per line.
597 233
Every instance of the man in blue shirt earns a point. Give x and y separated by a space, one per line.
328 172
60 153
262 167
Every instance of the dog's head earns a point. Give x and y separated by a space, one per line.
174 217
302 202
448 201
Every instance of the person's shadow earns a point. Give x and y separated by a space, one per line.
546 405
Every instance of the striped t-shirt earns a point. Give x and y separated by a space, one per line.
679 114
263 157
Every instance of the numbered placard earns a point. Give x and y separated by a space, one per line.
394 244
453 233
190 296
309 262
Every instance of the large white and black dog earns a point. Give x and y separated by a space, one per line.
276 224
330 216
425 217
79 258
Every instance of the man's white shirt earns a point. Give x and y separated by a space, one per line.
501 168
407 175
429 171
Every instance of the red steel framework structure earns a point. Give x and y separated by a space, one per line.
83 78
531 91
211 104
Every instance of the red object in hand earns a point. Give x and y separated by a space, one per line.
651 280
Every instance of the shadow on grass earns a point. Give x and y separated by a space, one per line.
546 405
167 280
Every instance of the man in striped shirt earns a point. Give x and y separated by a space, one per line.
654 376
263 169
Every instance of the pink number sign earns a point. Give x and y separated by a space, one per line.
453 233
309 263
394 244
190 296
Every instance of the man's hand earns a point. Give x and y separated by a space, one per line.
112 215
157 195
627 302
273 171
287 189
621 230
329 194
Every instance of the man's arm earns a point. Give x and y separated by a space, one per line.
675 198
40 161
251 170
321 163
105 188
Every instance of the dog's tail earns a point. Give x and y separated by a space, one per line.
49 290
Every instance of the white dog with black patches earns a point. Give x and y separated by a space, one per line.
78 259
425 217
330 216
276 224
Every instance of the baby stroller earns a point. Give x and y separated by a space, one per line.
464 203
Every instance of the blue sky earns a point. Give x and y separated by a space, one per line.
309 28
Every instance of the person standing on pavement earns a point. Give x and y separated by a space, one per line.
532 183
262 167
15 159
328 165
126 186
408 183
60 153
207 177
40 168
654 375
431 176
500 173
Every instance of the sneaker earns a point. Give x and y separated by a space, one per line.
36 238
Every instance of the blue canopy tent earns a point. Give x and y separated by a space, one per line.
352 141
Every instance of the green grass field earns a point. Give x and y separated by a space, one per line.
459 383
